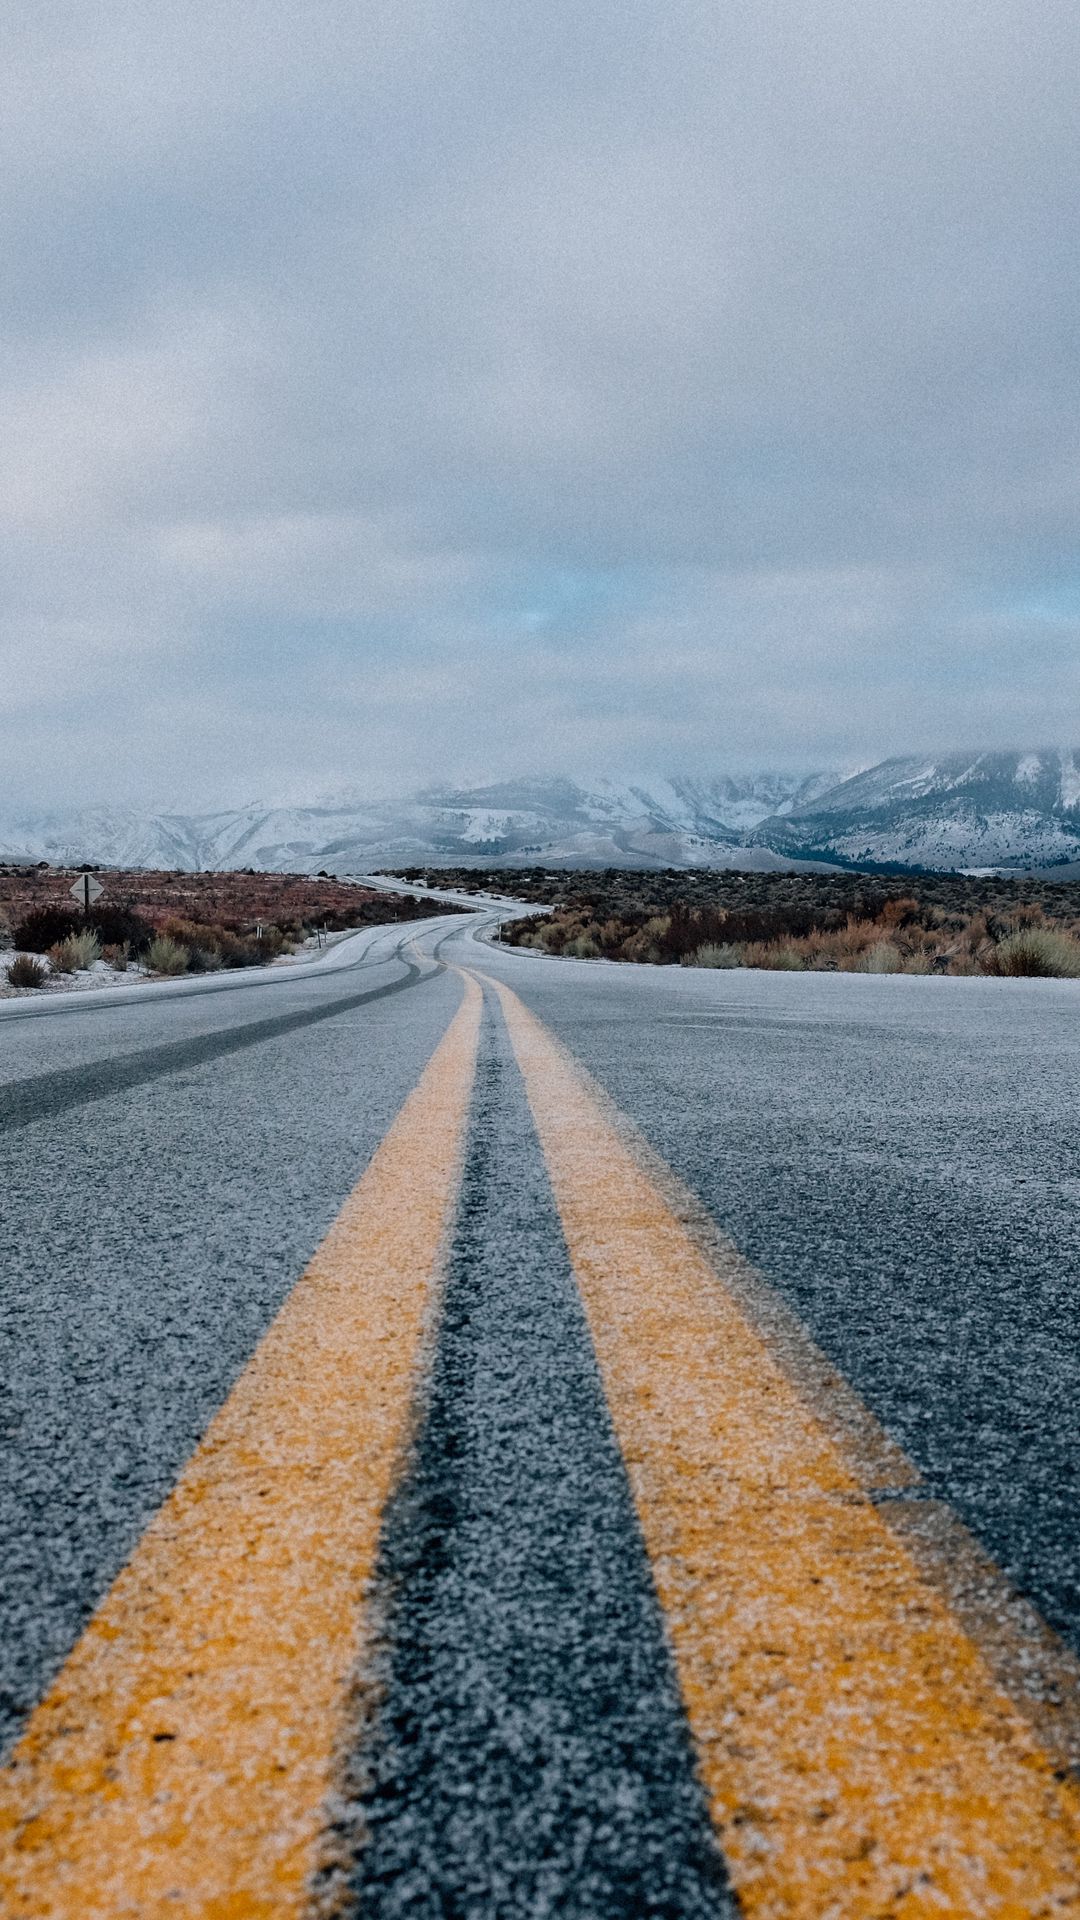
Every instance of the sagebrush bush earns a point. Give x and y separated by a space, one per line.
26 970
272 942
119 925
882 957
965 966
75 953
237 952
212 946
167 956
852 926
45 927
713 955
1036 951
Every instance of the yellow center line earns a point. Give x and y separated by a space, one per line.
859 1758
180 1762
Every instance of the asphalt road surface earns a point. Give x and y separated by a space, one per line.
493 1436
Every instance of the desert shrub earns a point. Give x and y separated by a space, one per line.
45 927
648 941
657 926
1038 951
713 954
116 956
1028 914
236 952
271 942
761 926
119 925
167 956
641 946
882 957
777 958
190 933
85 947
554 936
899 913
210 946
685 928
935 924
584 947
26 970
76 952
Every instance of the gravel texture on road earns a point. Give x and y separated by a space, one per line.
147 1240
44 1096
531 1757
898 1156
901 1158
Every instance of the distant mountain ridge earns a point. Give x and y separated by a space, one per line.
677 822
1019 809
960 810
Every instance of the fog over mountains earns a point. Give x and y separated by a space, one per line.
1018 809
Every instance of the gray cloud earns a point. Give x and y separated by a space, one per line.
423 390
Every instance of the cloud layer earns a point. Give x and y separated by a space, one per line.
422 390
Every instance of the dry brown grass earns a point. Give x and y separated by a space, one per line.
903 936
26 970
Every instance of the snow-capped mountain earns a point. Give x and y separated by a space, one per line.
680 822
960 810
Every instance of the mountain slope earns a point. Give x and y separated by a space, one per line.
661 823
961 810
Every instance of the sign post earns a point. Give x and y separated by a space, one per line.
86 890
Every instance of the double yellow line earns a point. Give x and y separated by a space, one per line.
859 1755
859 1758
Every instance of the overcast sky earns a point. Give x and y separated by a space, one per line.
409 390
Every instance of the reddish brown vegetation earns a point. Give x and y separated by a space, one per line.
221 919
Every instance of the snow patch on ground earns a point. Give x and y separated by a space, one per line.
101 974
87 978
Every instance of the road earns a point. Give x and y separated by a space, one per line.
491 1435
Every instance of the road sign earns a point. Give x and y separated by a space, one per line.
86 890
